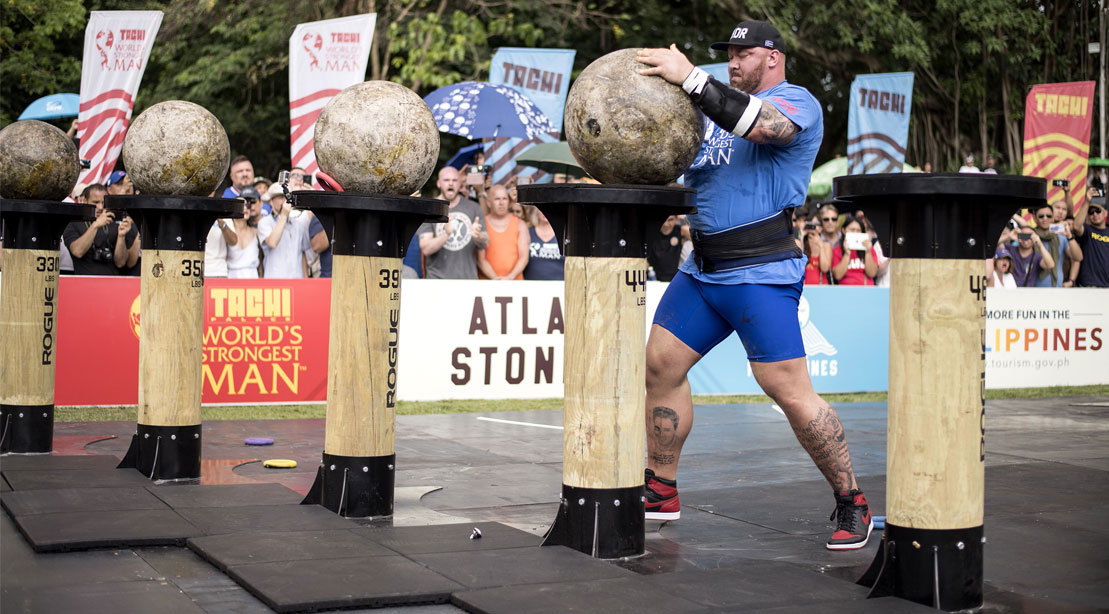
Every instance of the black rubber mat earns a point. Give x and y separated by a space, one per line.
115 529
226 551
760 584
636 594
182 496
269 518
99 598
25 502
489 568
450 538
299 586
50 462
24 479
882 605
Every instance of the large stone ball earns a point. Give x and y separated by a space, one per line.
37 161
176 148
377 137
624 127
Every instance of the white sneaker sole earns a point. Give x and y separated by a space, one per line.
662 515
858 545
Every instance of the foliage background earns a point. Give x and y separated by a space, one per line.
974 60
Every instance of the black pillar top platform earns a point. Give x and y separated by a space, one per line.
368 225
174 222
38 224
939 215
606 221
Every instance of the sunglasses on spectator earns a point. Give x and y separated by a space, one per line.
1044 215
1096 210
829 219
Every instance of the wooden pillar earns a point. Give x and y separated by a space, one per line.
28 318
604 232
369 234
939 233
167 441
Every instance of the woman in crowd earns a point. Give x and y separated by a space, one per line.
999 270
854 267
545 261
507 253
819 256
242 243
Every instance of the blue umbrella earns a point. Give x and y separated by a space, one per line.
478 110
52 107
465 155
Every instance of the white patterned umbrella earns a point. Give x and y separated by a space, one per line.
476 110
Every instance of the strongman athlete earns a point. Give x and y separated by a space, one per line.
746 271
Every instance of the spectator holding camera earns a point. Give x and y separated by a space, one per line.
284 238
819 257
100 247
854 262
1031 257
664 250
1053 234
1091 234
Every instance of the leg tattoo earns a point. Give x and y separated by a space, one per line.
664 434
823 438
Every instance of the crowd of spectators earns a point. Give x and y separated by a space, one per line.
489 235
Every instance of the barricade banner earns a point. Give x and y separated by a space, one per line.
117 47
325 57
1039 337
878 123
1057 121
543 75
266 341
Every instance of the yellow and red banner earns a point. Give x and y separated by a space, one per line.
265 341
1057 122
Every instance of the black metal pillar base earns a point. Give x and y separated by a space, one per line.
605 523
165 452
938 568
26 429
355 486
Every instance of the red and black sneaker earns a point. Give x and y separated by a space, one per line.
854 521
662 498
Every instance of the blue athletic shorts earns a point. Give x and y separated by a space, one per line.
704 314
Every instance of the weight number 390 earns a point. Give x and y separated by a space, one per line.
390 278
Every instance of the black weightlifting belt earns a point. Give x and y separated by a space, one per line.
769 240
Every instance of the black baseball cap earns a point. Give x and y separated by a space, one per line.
754 34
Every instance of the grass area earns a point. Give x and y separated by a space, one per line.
409 408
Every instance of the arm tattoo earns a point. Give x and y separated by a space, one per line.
823 438
773 127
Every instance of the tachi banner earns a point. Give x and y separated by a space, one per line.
1057 121
117 46
878 123
325 57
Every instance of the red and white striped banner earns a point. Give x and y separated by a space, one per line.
325 57
117 47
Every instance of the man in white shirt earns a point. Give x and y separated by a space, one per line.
284 237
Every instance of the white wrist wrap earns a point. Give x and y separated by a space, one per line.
695 82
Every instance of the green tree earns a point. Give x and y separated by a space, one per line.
39 56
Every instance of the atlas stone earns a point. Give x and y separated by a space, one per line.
627 128
37 161
377 137
176 148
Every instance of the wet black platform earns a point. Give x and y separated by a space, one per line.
750 539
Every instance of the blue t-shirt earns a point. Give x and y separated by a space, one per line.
739 182
412 257
314 228
1045 282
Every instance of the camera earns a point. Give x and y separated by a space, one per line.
523 180
1098 192
1024 236
810 226
1060 183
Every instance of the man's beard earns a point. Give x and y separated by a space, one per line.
749 82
